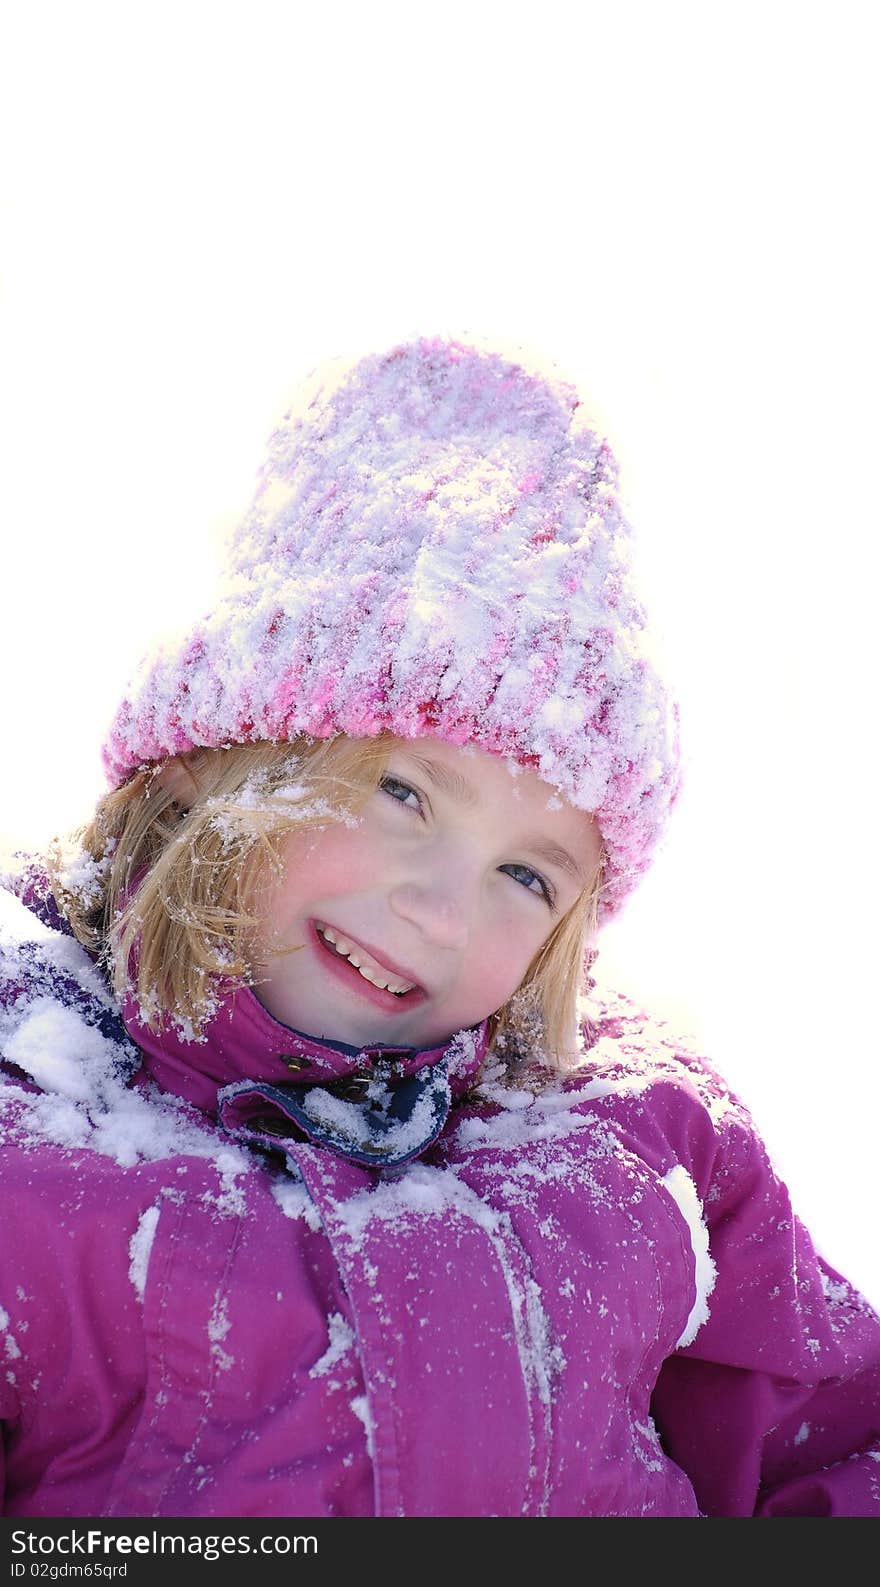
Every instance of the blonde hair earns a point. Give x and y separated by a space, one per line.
164 889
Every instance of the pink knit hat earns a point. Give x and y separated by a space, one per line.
435 548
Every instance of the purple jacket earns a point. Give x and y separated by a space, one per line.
591 1299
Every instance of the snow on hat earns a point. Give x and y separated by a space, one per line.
435 548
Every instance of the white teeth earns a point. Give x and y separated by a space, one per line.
362 962
369 976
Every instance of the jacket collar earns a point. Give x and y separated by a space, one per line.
244 1042
378 1105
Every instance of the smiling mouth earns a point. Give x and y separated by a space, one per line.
363 962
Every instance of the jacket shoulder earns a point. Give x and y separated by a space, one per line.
634 1075
70 1090
59 1021
619 1036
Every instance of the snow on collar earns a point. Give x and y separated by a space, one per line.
263 1081
377 1104
244 1041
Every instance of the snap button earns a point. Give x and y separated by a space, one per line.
293 1063
352 1088
270 1124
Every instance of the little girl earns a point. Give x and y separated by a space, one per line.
332 1184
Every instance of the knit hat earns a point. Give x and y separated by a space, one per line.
436 548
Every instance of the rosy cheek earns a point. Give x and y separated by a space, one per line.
498 968
328 863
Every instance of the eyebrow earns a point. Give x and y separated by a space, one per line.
463 792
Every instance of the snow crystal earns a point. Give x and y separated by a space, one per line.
350 1122
295 1202
21 930
341 1341
219 1325
461 1053
333 1111
684 1193
139 1248
59 1049
802 1433
84 877
419 1190
648 1433
835 1290
527 1119
229 818
132 1126
9 1344
361 1407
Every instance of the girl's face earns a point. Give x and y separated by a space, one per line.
451 879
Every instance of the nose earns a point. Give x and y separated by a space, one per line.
435 911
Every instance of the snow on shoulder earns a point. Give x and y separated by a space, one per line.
59 1028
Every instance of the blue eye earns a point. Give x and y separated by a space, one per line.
534 877
395 789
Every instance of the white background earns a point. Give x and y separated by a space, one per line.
677 204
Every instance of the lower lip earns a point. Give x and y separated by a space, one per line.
355 982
